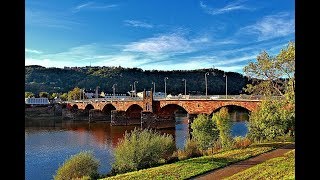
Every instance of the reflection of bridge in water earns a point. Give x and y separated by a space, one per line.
155 112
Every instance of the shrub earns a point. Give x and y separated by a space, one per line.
241 142
190 150
142 149
204 131
80 165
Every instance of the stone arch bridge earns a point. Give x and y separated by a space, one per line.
150 112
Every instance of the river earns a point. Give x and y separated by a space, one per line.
46 148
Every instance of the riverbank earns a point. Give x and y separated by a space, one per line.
276 168
196 166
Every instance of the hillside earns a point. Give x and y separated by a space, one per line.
38 78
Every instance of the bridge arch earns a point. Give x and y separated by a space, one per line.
134 112
75 107
170 110
237 112
88 107
108 108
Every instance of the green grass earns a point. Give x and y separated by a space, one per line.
196 166
276 168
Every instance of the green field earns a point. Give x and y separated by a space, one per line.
196 166
276 168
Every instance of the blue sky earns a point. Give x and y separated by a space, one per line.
150 34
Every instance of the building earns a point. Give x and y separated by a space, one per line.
158 95
37 101
89 93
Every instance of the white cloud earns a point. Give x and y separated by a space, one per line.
218 61
32 51
59 20
174 43
161 44
92 5
135 23
236 5
272 26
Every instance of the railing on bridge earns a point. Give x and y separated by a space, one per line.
216 97
105 99
179 97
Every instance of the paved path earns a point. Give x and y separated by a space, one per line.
242 165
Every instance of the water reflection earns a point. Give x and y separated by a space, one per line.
47 147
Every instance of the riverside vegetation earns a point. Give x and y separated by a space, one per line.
273 120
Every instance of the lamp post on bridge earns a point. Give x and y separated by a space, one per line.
135 88
131 95
97 89
185 87
205 78
154 87
114 90
225 75
165 87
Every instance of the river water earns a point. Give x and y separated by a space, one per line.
46 148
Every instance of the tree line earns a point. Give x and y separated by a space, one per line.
56 80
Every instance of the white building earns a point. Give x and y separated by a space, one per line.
37 101
158 95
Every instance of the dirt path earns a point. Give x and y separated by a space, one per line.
242 165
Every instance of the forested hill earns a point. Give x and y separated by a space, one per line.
38 78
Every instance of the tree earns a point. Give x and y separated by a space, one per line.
44 95
28 94
74 94
224 124
274 117
270 120
204 131
272 75
64 97
54 95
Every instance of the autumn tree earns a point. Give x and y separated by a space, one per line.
28 94
64 97
272 75
44 94
74 94
275 75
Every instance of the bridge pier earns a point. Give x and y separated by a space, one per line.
97 115
75 114
152 120
118 118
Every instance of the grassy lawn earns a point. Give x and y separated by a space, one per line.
276 168
196 166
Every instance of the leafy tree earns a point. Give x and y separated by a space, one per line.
28 94
270 120
204 131
54 95
268 72
44 95
64 97
74 94
223 121
274 117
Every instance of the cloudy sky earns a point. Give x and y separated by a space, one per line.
156 34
